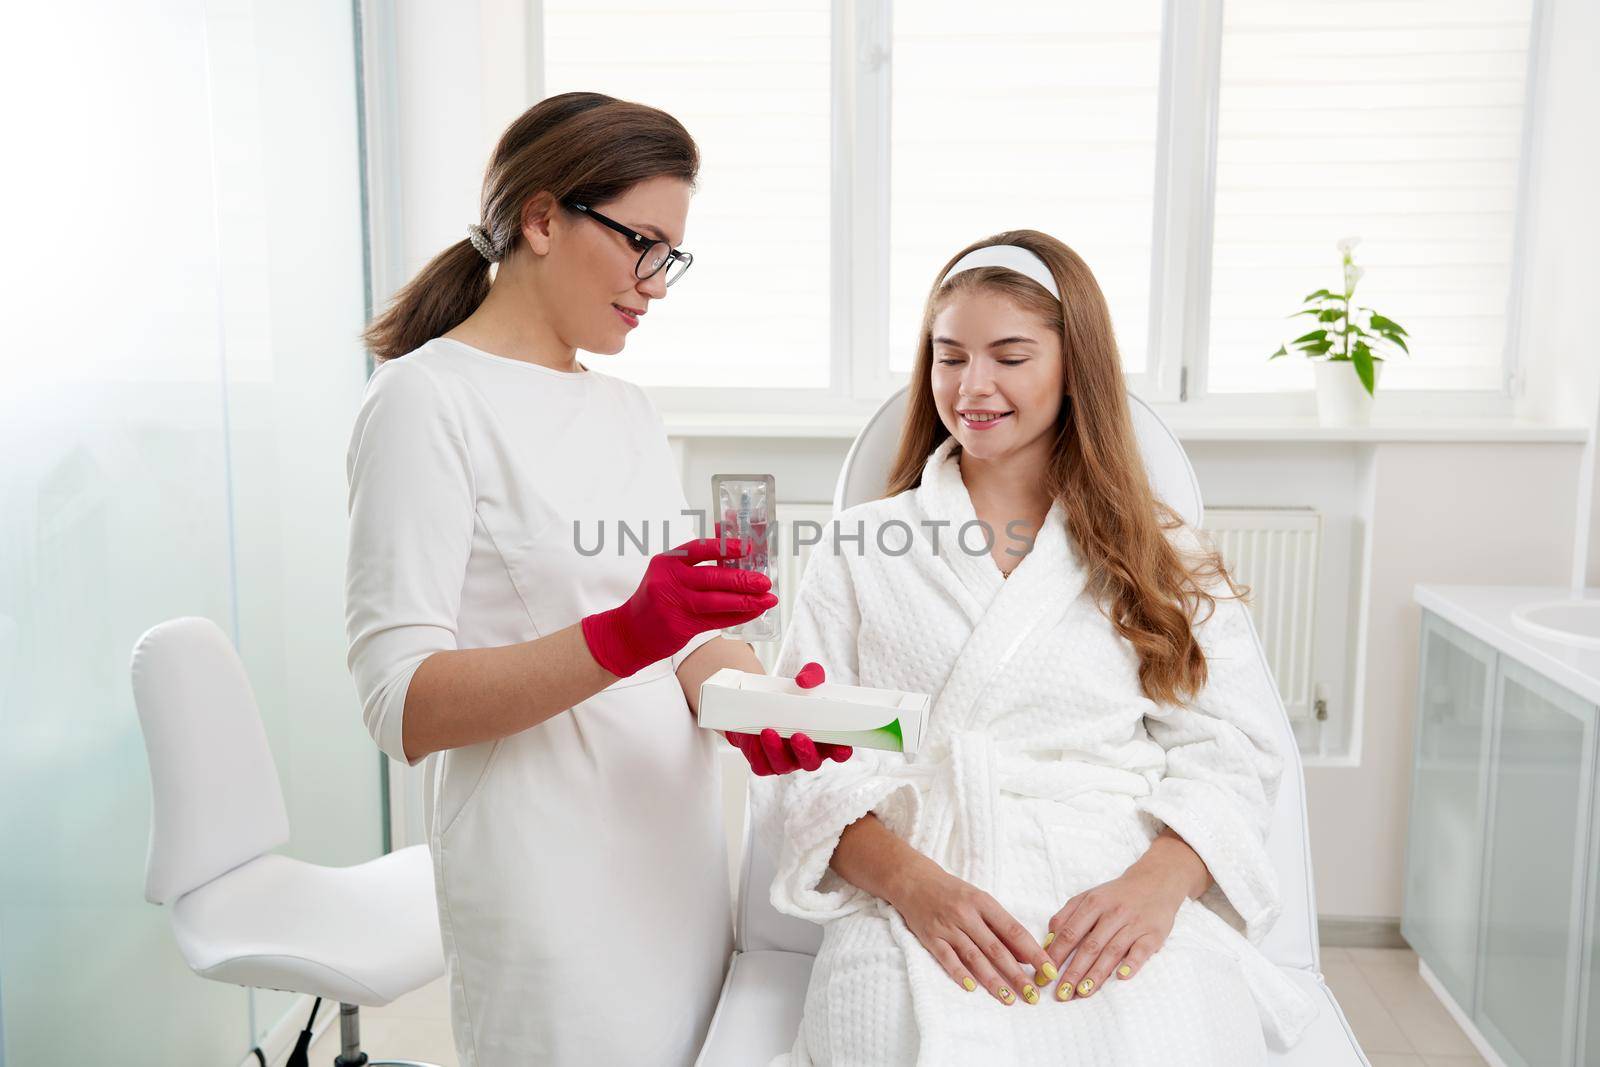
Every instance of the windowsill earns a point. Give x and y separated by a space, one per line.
1469 430
1188 427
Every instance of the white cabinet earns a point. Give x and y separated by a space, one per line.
1501 855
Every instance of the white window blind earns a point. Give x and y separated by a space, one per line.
1399 121
751 83
1010 115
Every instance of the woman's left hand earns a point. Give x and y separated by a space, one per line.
1118 925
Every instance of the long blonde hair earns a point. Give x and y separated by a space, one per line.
1151 593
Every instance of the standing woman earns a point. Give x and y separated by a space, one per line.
575 813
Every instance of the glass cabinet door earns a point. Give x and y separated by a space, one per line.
1449 783
1589 1002
1535 871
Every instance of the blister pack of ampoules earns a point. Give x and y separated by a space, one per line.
745 507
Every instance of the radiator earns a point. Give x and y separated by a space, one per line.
1274 551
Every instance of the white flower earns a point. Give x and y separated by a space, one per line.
1348 244
1352 274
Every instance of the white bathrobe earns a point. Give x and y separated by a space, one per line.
1047 772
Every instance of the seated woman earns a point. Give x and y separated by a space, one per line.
1073 868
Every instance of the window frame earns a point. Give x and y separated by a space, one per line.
1174 374
1410 403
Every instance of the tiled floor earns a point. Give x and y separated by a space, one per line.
1395 1016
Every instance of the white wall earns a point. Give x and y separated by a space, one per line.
1562 356
1562 361
1466 513
462 80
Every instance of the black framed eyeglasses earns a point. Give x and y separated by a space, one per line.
653 254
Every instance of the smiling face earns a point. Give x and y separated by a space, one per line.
997 375
593 299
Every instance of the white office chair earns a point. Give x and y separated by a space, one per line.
360 935
758 1014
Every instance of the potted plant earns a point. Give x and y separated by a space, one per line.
1347 347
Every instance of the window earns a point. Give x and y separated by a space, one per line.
751 84
1203 157
1400 123
1015 115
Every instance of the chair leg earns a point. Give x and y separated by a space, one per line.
350 1054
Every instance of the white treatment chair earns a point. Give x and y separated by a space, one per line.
759 1011
242 913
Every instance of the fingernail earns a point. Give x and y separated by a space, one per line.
1047 973
1051 936
1063 991
968 984
1005 994
1124 971
1029 993
1086 987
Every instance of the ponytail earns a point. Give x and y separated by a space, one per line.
432 304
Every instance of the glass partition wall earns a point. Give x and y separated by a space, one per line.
184 283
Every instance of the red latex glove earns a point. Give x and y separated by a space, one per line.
768 754
675 601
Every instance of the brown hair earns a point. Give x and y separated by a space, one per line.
1151 593
583 146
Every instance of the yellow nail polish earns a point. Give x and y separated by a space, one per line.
1086 987
1124 971
1005 994
1048 971
1063 992
1051 936
1030 994
968 984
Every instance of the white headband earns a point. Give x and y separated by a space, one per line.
1011 257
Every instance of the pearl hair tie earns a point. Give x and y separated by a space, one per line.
478 237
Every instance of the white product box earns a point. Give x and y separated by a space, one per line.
837 714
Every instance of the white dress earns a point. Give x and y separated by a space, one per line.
581 864
1046 772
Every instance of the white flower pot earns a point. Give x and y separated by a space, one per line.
1341 398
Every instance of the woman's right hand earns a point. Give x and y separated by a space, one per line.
769 754
975 940
675 601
